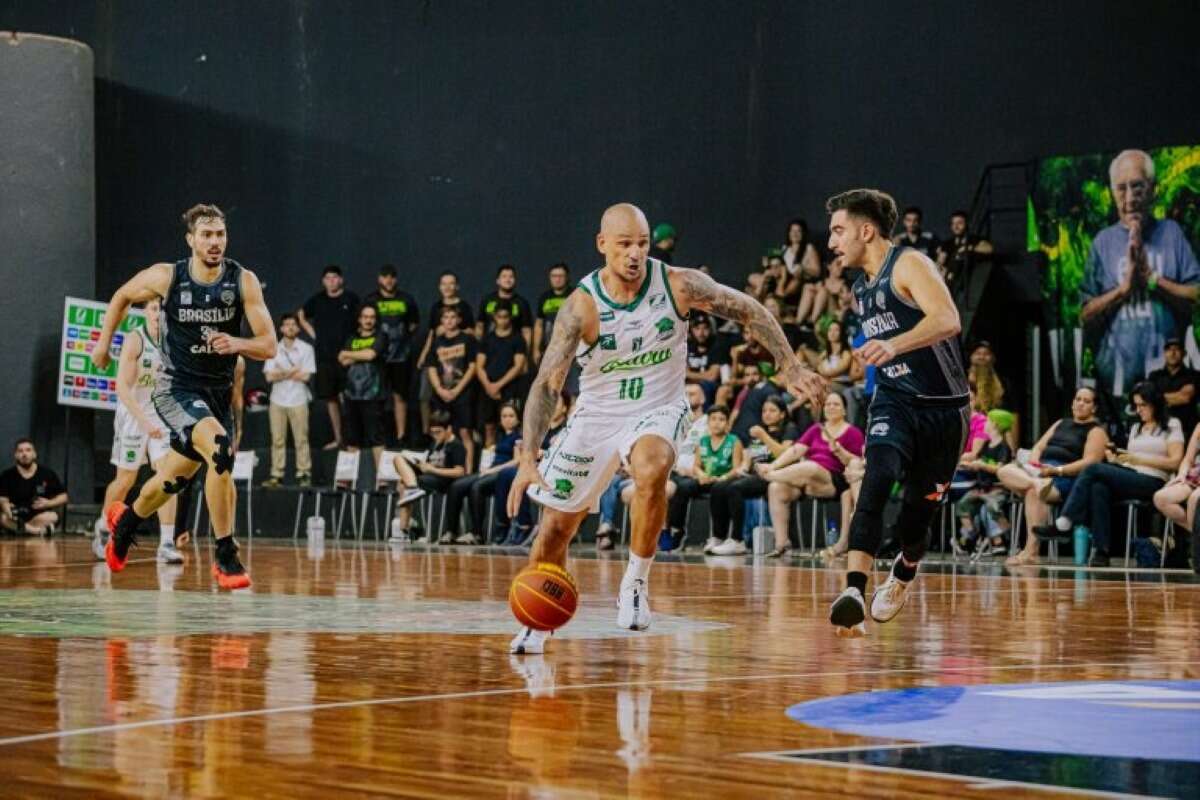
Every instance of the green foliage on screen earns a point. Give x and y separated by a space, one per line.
1071 203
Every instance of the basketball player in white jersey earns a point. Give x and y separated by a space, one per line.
626 325
138 433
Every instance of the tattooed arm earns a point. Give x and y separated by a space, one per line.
577 321
693 289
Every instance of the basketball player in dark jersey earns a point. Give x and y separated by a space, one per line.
919 416
204 300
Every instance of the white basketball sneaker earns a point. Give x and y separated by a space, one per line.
529 642
99 540
168 553
890 597
848 614
633 606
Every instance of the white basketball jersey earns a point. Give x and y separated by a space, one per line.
149 367
639 361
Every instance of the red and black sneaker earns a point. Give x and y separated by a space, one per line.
121 522
227 567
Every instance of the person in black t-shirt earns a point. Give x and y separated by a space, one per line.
548 305
328 317
499 364
505 296
445 461
1178 383
705 358
362 358
398 320
448 298
913 236
957 252
451 370
29 493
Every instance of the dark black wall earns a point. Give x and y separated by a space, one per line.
463 134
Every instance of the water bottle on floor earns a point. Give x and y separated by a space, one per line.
832 534
1083 544
315 527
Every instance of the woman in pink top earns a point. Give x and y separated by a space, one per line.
815 466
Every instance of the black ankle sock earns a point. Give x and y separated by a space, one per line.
903 571
129 521
225 546
857 580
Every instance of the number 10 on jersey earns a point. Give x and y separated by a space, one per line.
631 388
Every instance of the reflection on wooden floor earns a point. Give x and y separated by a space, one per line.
368 670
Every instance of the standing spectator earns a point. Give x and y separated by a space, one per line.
288 372
29 493
506 296
328 318
500 361
663 242
444 462
1178 383
448 297
705 358
799 255
451 370
362 358
399 318
1139 282
957 253
479 486
914 236
547 308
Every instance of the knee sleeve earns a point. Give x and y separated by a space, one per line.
222 458
176 486
884 467
912 527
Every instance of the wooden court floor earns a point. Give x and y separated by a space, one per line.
364 670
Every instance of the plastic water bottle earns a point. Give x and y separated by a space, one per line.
315 527
832 534
1083 544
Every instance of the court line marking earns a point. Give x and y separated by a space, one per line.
479 693
968 781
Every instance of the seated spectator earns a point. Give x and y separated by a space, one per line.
445 461
1178 383
982 522
750 353
663 244
716 456
957 253
1177 500
833 359
850 319
1136 472
30 494
913 235
705 358
777 283
762 443
482 484
964 478
1065 450
826 295
506 530
790 330
498 366
451 369
799 254
855 468
288 372
982 372
409 491
365 395
814 466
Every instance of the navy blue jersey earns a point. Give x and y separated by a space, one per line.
934 373
191 313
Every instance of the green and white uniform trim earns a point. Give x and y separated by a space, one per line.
132 446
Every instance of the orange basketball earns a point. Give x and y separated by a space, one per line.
543 597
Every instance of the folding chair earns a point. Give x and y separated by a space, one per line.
387 482
243 471
345 485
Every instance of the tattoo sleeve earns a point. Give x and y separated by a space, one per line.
552 374
704 293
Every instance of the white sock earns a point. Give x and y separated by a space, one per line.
1063 524
166 534
638 569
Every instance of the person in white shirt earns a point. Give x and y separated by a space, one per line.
288 373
